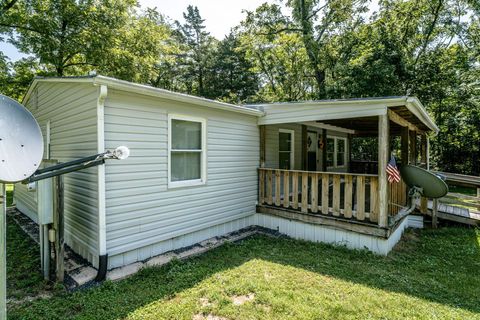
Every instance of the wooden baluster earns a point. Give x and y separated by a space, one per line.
336 195
278 193
348 196
261 187
360 198
395 199
269 187
423 205
295 190
304 191
374 199
314 192
286 189
325 178
390 192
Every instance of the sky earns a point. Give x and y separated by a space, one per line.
220 16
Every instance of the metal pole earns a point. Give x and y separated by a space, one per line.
3 252
45 252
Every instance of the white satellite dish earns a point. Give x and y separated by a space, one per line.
21 141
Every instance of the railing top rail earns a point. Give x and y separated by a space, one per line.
323 172
455 177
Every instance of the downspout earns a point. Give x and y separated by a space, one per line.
102 230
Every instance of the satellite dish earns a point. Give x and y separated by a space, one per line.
21 141
432 185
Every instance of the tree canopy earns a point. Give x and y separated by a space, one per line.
281 51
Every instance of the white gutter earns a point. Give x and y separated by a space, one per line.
102 230
417 108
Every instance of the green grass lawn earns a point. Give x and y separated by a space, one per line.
463 190
9 194
23 264
432 274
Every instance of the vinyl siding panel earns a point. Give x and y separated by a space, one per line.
71 110
142 212
271 144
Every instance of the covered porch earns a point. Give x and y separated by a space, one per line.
310 173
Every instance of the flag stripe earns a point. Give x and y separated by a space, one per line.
392 171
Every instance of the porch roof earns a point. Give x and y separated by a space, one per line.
359 114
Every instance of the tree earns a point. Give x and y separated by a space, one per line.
279 58
232 78
65 35
139 47
198 45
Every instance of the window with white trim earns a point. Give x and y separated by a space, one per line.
286 149
336 152
187 151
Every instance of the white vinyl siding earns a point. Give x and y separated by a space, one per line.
272 145
142 211
71 111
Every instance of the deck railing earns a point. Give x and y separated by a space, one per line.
344 195
397 197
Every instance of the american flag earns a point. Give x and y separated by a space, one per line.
392 171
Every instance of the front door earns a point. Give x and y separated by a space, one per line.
312 150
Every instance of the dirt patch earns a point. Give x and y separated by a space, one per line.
200 316
205 303
239 300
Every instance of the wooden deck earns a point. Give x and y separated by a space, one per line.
455 213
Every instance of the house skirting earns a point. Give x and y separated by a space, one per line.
328 234
180 242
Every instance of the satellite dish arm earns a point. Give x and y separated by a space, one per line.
119 153
67 167
413 194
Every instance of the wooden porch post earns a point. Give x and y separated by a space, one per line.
262 146
413 147
304 147
383 149
404 145
349 151
428 152
423 150
324 150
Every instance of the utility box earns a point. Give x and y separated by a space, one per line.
45 201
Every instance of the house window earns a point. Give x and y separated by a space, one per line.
336 152
187 151
285 149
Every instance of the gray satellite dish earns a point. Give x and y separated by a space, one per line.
432 186
21 141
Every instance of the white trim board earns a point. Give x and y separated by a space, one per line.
328 127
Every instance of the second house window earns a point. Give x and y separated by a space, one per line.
186 151
336 152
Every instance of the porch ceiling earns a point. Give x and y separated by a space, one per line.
368 126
